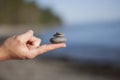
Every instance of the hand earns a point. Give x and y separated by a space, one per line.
25 46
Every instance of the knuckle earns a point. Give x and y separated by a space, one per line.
18 39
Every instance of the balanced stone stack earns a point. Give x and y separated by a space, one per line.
58 38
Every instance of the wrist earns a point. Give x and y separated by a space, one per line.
3 54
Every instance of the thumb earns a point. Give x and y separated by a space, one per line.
26 36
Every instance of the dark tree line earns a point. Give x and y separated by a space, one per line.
15 12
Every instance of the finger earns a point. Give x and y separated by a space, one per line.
35 41
26 36
45 48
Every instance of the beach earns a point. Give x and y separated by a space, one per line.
57 67
45 69
92 30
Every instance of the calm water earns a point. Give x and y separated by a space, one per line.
94 43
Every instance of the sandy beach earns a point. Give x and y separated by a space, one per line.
43 69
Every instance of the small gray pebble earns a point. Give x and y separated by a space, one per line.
55 35
58 38
59 33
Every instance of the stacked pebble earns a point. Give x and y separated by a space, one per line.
58 38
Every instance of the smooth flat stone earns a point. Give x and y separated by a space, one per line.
55 35
58 40
59 33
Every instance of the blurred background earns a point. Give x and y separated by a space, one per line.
92 29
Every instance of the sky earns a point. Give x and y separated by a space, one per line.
82 11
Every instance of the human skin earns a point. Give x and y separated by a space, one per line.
25 46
